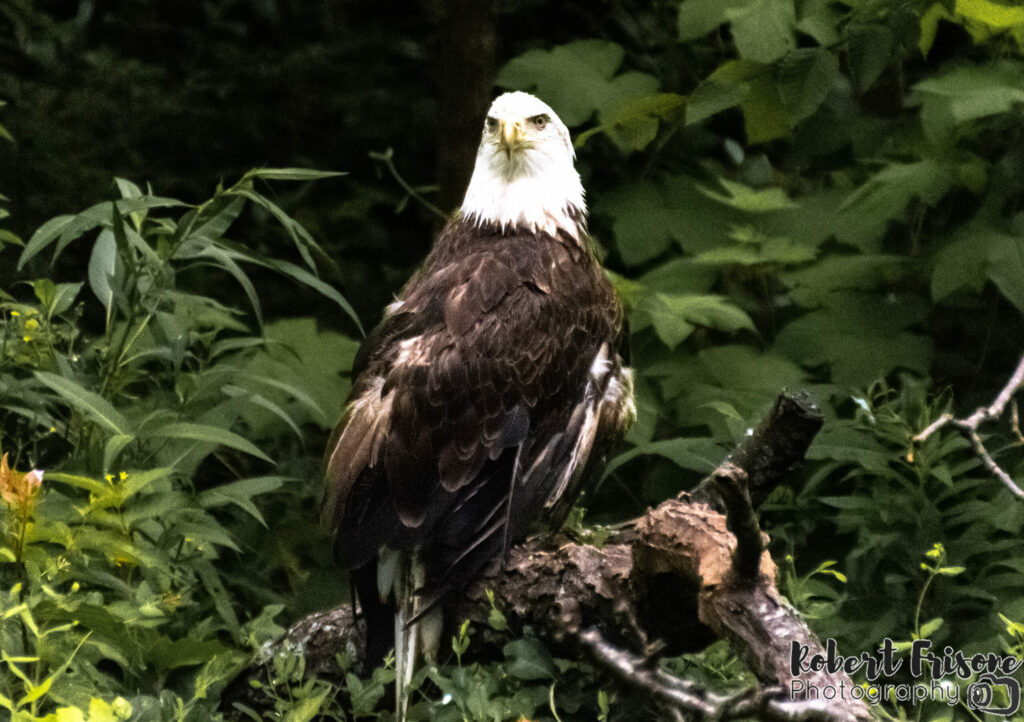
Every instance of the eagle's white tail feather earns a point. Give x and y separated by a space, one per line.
403 574
406 637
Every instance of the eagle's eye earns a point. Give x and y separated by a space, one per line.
491 123
539 121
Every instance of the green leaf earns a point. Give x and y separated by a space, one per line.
90 403
291 389
35 691
774 98
138 481
206 434
81 482
215 218
748 199
805 79
811 287
781 251
222 600
966 93
725 88
306 278
699 17
161 505
241 494
165 653
103 270
820 19
649 216
678 276
577 79
308 708
675 316
295 174
258 400
739 375
528 659
127 189
870 52
763 29
64 295
315 362
299 235
496 620
867 211
225 261
844 441
765 116
963 263
633 124
114 446
55 298
1006 266
64 229
860 337
986 19
696 454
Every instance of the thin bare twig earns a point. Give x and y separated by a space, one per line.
969 428
991 465
766 703
996 409
387 159
933 427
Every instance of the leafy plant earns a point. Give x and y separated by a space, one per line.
113 548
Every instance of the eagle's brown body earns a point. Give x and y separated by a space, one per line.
486 358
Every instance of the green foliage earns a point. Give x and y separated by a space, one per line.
791 193
832 193
115 564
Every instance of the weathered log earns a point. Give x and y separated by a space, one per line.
668 582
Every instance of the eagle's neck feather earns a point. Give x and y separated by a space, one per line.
531 190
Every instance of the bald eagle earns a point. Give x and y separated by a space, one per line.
482 401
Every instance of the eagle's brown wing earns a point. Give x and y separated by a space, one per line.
476 406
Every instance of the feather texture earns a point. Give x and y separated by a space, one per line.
480 404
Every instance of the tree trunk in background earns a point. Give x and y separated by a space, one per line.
466 72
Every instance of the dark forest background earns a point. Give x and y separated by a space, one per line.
789 194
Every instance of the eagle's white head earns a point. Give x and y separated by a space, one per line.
524 173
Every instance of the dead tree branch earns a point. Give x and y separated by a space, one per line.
671 581
969 428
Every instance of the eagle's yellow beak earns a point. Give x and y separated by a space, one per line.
511 134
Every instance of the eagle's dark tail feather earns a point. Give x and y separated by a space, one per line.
378 615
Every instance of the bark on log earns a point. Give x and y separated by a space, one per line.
668 582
